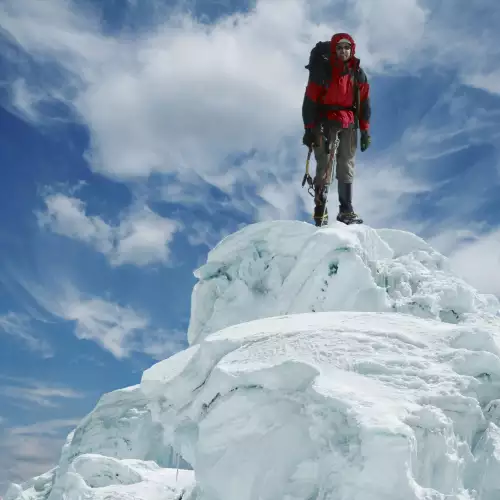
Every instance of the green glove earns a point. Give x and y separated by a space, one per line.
365 140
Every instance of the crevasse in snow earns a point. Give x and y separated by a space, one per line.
342 363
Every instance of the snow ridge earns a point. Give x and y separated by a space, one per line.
290 267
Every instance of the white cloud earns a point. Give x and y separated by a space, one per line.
384 194
474 254
25 101
183 97
118 329
19 327
388 32
454 32
141 238
66 216
489 81
111 325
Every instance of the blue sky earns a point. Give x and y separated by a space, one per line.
135 135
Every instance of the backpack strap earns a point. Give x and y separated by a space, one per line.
356 77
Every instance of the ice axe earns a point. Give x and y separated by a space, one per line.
307 178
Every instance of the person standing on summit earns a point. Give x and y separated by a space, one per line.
336 103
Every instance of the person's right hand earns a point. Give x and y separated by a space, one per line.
309 138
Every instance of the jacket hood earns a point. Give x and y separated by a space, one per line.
337 37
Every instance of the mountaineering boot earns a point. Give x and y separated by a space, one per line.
346 213
320 215
349 218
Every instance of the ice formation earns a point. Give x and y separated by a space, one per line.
342 363
290 267
115 450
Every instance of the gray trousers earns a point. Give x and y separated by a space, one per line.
346 153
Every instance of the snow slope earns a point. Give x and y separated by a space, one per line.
345 405
341 363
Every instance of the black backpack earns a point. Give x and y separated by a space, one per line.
320 73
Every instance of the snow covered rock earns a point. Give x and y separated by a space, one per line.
341 363
37 488
287 267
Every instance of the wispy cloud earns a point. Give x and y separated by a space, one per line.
65 215
120 330
141 238
46 428
458 119
117 328
31 450
19 327
25 391
202 234
160 344
25 101
109 324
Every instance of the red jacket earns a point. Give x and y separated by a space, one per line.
336 89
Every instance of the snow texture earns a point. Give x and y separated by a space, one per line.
341 363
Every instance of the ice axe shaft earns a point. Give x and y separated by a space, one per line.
307 178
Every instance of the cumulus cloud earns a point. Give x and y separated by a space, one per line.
142 237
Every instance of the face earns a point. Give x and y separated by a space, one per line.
343 51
